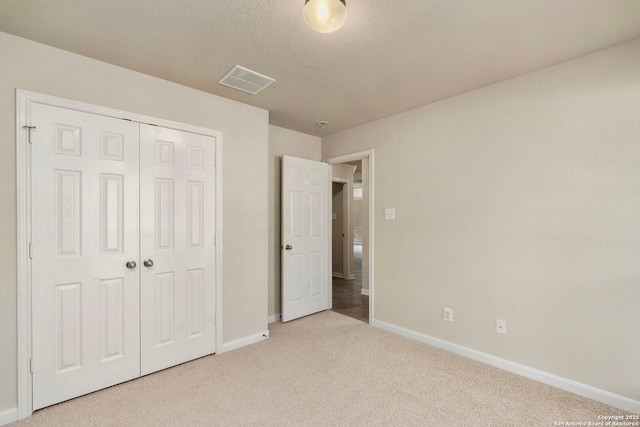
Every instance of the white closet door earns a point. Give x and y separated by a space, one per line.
177 218
85 301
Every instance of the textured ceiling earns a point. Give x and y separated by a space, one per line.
390 56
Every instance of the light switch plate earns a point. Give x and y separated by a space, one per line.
389 213
334 216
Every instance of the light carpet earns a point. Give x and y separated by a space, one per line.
327 370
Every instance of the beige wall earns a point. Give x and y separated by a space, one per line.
518 201
38 68
282 142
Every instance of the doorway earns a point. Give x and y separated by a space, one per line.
353 293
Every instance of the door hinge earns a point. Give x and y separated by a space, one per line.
31 364
28 128
30 251
215 161
215 240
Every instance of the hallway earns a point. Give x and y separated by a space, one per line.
347 294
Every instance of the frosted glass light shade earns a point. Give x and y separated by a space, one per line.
325 16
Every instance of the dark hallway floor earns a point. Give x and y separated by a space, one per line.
347 294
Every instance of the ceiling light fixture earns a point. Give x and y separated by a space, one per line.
325 16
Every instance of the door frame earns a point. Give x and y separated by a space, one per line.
361 155
24 99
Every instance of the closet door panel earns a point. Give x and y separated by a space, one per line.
177 185
85 301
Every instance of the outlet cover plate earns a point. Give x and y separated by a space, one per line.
448 314
501 327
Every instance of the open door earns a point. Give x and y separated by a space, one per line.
306 237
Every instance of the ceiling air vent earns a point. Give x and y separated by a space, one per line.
245 80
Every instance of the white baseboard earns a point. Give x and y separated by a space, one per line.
364 291
275 318
251 339
580 389
8 416
341 276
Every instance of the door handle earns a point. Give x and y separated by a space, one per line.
148 262
131 265
288 247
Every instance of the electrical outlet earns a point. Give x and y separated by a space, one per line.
448 314
390 213
501 327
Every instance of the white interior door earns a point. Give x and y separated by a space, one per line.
177 220
306 237
85 301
